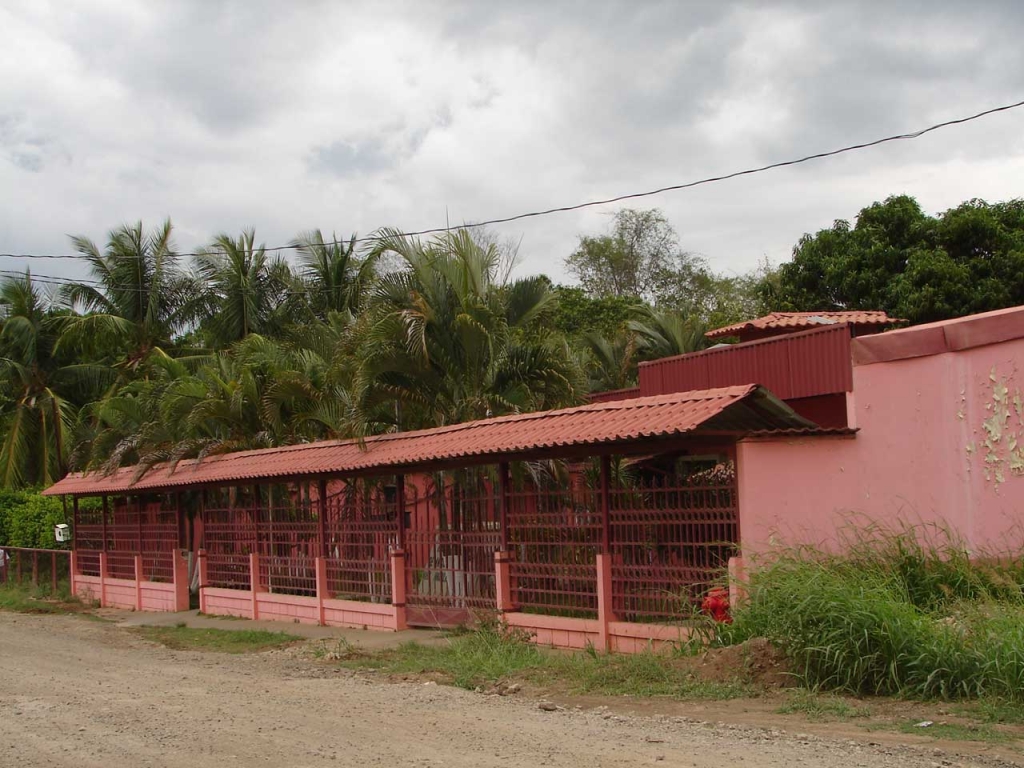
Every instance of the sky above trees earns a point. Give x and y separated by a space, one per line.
289 117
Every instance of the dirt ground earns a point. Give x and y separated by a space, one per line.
75 692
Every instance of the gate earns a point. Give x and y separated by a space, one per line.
450 550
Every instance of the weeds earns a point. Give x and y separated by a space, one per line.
821 707
495 652
898 614
26 599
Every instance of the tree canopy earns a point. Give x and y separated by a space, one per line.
914 266
158 357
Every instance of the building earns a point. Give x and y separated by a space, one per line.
604 524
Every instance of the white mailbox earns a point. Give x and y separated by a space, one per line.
62 532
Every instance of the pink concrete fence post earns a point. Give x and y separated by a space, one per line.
321 590
737 582
605 615
138 582
73 571
103 579
503 581
254 583
180 580
201 565
398 588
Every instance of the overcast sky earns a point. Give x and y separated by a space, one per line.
286 116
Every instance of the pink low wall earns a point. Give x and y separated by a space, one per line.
940 441
579 634
297 609
130 594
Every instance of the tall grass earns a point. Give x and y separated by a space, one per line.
908 612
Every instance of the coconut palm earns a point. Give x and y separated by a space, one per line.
137 302
243 289
337 277
39 391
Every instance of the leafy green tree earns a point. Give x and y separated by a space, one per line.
578 313
632 260
899 259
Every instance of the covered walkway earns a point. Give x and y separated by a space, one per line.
603 524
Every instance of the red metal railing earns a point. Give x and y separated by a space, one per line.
669 542
450 560
288 575
361 526
39 567
555 537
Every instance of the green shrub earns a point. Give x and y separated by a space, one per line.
27 519
895 615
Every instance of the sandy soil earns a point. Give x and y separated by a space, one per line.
82 693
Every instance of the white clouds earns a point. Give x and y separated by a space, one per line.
292 116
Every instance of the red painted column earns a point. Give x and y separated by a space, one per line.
321 515
400 504
138 582
506 499
201 565
398 588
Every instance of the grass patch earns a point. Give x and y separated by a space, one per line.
898 615
184 638
821 707
493 654
957 732
27 599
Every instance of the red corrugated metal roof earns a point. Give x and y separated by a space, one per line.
728 410
801 320
803 364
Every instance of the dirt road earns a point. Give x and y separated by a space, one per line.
80 693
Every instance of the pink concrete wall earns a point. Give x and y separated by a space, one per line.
298 609
351 613
940 441
87 587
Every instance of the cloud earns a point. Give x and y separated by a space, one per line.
292 116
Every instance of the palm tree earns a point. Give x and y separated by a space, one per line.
336 276
40 391
137 303
665 334
445 343
244 290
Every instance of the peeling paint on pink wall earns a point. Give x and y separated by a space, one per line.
1003 443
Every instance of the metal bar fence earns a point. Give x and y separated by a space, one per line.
229 537
450 559
361 528
47 569
670 540
555 536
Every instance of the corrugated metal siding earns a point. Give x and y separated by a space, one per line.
807 364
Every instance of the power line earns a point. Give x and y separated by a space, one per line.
620 198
